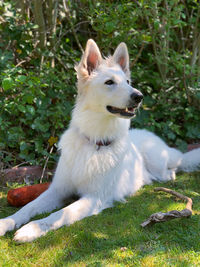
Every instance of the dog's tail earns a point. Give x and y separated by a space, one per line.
190 161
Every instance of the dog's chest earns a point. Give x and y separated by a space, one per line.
86 162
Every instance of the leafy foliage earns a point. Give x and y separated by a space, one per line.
37 84
34 108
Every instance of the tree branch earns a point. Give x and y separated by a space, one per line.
138 55
67 12
39 20
173 214
52 11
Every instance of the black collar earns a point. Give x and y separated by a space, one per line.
101 143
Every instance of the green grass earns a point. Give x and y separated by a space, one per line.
115 237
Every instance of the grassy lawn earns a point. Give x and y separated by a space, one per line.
115 237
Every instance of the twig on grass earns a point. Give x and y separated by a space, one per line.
173 214
45 165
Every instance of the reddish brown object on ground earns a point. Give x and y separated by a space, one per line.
21 174
193 146
20 196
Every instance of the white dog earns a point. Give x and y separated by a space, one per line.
101 160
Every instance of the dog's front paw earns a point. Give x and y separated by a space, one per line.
170 175
6 224
30 232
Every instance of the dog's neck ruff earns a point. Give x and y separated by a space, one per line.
100 143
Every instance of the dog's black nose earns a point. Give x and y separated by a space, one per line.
137 97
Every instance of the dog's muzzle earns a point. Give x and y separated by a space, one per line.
136 98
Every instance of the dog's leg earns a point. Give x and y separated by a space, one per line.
46 202
83 207
51 199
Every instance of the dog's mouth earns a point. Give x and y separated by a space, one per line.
127 112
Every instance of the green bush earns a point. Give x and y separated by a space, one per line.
33 109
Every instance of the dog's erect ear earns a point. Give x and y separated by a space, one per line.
121 57
90 59
93 56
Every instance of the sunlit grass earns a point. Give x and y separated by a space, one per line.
115 237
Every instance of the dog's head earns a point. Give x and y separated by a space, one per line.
106 82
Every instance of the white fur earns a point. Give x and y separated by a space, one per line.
100 175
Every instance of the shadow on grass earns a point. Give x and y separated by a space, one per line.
115 234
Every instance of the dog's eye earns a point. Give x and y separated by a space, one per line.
109 82
128 81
